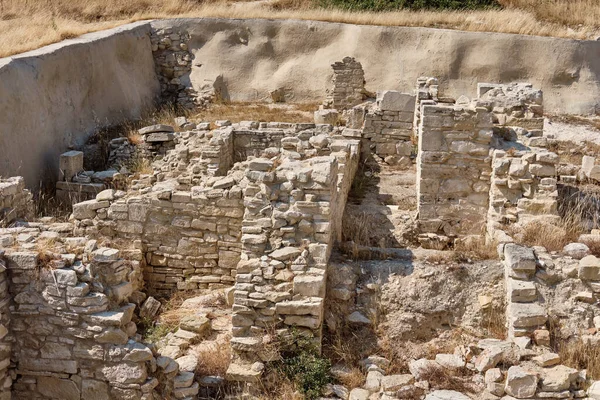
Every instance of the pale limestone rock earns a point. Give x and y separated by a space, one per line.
521 383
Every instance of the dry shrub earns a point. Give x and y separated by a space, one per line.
213 360
551 236
477 248
580 354
357 228
141 166
448 379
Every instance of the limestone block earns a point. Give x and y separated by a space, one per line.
519 258
489 358
156 128
589 268
392 100
309 285
124 373
521 291
307 322
421 366
70 163
521 383
542 170
587 163
527 315
359 394
395 382
557 378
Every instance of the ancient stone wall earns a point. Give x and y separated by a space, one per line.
453 170
348 85
523 188
72 325
15 200
6 338
386 126
288 233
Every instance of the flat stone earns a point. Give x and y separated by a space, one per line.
576 250
359 394
358 318
187 363
558 378
156 128
395 382
589 268
547 359
286 253
519 258
55 388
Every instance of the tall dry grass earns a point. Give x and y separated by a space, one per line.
30 24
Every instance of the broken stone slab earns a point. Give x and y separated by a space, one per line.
156 128
286 253
446 395
393 100
558 378
450 361
359 394
150 308
105 255
593 391
547 359
418 368
195 323
327 116
489 358
300 307
187 363
358 318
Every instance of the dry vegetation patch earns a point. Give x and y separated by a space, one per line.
30 24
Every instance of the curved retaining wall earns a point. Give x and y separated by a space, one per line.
259 55
54 97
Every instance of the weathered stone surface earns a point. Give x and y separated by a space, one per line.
446 395
589 268
55 388
521 383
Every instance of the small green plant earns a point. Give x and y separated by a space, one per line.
302 363
154 332
387 5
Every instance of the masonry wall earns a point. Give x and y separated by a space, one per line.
453 170
54 97
15 200
6 338
288 231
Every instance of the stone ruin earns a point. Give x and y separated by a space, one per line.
256 209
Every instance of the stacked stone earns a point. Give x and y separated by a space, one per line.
524 313
5 336
287 235
173 62
217 157
426 92
74 336
387 126
15 200
159 139
453 171
191 238
516 106
348 85
124 154
523 188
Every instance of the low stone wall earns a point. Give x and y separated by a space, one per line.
348 85
15 200
453 170
72 325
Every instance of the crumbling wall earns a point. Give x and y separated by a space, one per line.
15 200
348 85
288 233
453 170
73 331
523 188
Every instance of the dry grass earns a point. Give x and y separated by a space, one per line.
30 24
580 354
572 152
213 360
493 321
241 111
476 249
446 379
551 236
